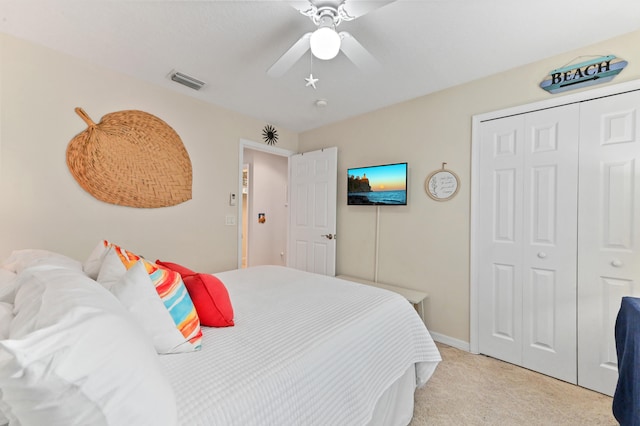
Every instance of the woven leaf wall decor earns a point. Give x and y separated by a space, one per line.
131 158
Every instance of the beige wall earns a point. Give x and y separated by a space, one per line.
42 206
425 245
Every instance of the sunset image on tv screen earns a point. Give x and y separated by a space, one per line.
378 185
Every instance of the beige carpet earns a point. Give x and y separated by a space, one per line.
471 389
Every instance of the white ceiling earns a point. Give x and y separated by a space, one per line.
423 46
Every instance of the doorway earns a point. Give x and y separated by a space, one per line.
244 221
263 204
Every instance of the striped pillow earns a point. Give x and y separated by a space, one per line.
173 294
176 299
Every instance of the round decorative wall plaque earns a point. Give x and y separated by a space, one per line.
442 185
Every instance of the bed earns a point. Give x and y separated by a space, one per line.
304 349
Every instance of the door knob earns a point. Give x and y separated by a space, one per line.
329 236
542 255
616 263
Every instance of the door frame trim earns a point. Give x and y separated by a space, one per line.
477 120
242 144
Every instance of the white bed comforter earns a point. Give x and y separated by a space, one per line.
306 350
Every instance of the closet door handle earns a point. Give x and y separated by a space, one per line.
616 263
542 255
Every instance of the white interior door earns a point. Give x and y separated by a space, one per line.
609 231
500 239
549 242
527 266
313 193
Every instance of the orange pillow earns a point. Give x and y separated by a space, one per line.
209 296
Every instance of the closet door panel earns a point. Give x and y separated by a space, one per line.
609 231
500 263
549 241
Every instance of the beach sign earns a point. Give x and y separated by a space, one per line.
595 71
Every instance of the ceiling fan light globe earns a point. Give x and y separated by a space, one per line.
325 43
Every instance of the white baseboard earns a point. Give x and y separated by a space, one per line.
450 341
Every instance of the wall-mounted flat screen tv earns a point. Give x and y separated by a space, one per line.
383 185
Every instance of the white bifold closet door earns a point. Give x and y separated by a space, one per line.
527 265
609 231
559 208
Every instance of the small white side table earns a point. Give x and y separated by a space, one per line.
415 297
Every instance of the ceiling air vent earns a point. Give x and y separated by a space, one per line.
186 80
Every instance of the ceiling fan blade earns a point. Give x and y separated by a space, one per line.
357 53
352 8
300 5
290 57
356 8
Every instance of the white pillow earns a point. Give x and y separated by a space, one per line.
57 262
5 413
22 259
111 269
8 283
82 361
6 315
7 277
136 292
93 263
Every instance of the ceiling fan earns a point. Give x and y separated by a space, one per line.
325 42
